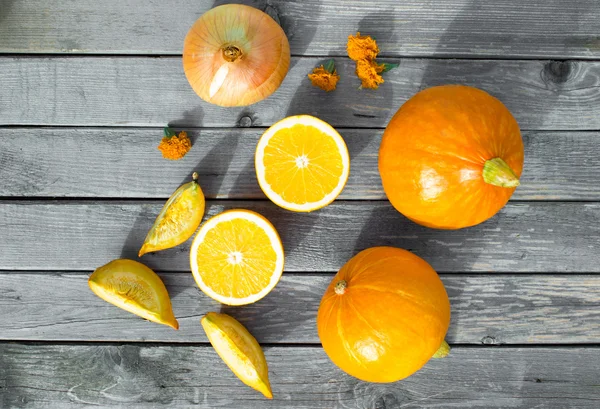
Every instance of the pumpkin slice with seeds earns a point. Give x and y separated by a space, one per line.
239 350
178 219
135 288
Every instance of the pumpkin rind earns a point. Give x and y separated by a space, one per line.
390 318
434 150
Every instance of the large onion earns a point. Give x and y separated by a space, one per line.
235 55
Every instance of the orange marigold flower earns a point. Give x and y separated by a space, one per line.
368 72
324 79
362 47
173 146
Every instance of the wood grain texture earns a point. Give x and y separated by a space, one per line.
88 91
125 163
540 28
492 309
146 377
526 237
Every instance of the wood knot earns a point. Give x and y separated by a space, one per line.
557 72
488 340
245 122
389 400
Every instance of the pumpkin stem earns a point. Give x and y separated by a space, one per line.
443 351
195 176
231 53
340 287
497 172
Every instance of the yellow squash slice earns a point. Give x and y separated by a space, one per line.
135 288
237 257
178 219
302 163
239 350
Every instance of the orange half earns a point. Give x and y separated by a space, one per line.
302 163
237 257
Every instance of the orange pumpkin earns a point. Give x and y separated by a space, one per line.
384 315
451 157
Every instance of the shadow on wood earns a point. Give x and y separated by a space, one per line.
214 165
5 7
557 76
191 117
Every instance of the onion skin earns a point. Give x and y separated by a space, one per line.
235 55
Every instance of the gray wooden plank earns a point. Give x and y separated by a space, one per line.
541 28
133 376
490 309
125 163
153 92
523 237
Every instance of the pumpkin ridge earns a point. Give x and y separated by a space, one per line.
363 319
345 341
452 155
428 308
328 319
402 294
358 273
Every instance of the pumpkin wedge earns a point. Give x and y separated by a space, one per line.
135 288
239 350
178 219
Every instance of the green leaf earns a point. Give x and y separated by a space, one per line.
389 66
329 66
169 133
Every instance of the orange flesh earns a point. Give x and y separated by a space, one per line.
302 164
236 259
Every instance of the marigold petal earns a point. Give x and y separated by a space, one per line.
362 47
368 72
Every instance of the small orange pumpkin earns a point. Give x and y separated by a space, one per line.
451 157
384 315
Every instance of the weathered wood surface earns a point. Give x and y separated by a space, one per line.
525 237
88 91
144 377
491 309
541 28
125 163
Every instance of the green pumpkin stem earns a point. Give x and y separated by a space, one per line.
497 172
443 351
